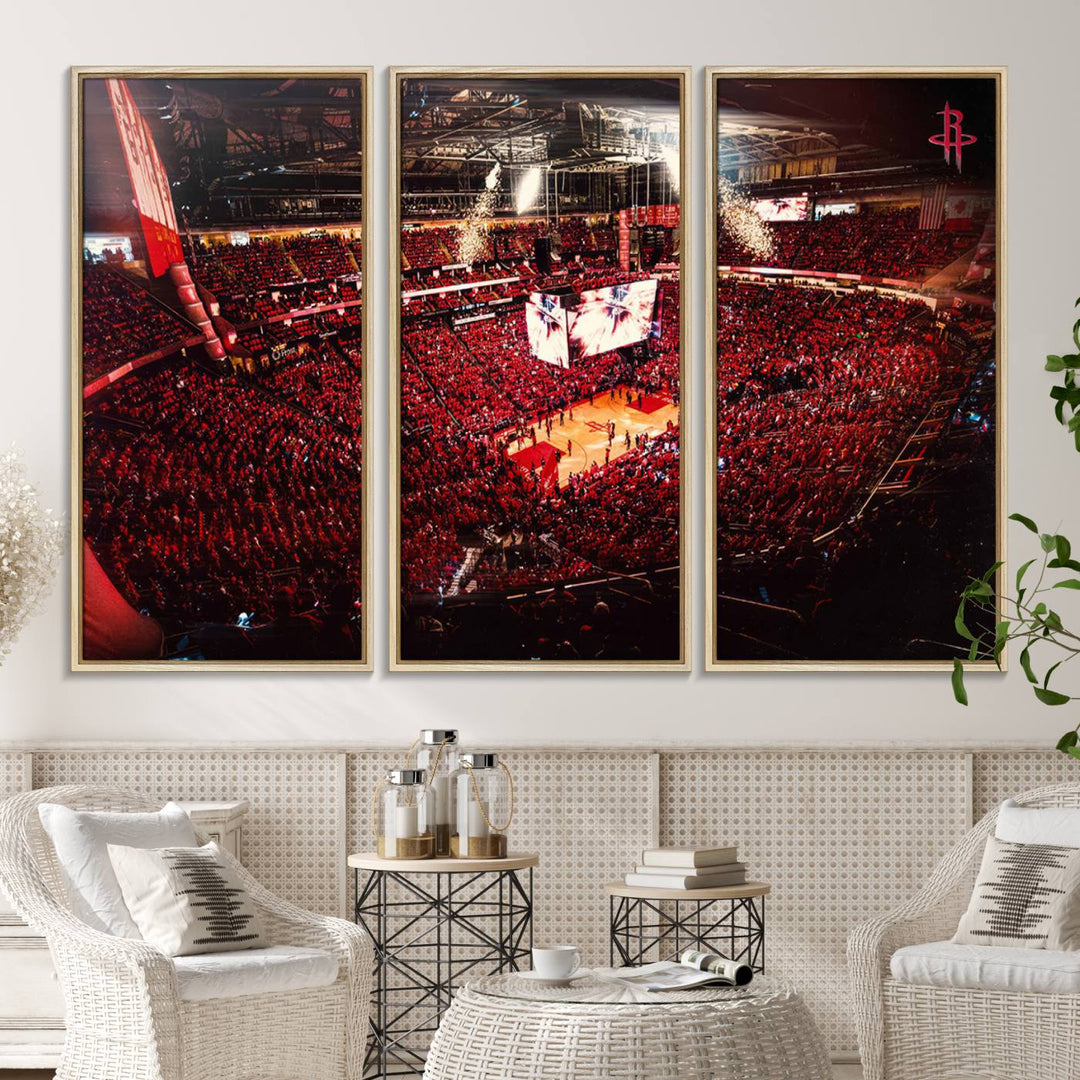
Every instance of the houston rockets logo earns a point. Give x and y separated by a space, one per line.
952 136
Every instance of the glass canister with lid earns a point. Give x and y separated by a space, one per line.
484 791
405 811
437 754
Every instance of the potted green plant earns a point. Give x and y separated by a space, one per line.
988 623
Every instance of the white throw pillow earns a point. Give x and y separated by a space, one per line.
1025 896
81 838
1057 825
187 900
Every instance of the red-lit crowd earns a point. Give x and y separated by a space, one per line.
461 388
622 517
208 496
592 239
884 243
212 496
816 394
228 269
121 322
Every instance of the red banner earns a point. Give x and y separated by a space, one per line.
665 214
624 239
149 182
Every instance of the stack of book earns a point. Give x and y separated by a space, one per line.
688 868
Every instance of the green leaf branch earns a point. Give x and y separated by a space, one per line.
988 623
1066 396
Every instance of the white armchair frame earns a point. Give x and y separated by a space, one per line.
925 1032
124 1016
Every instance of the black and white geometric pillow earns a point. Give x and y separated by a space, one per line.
1026 895
186 900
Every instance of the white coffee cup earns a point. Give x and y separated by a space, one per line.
556 961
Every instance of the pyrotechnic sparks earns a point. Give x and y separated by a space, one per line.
741 220
473 231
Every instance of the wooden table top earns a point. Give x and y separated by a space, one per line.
516 860
721 892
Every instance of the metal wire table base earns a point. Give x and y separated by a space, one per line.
428 939
644 930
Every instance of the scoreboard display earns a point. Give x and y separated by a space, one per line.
563 328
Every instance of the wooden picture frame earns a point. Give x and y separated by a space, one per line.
755 650
310 589
515 653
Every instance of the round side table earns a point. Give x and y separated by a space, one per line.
593 1029
432 921
729 920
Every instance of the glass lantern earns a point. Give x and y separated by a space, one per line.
437 754
405 817
485 807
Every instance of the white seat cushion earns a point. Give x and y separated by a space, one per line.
988 967
253 971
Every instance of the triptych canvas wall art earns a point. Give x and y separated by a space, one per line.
540 367
854 345
221 334
539 359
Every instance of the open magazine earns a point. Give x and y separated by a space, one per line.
693 969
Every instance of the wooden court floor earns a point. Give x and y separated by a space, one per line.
583 440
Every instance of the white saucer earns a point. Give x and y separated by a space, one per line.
536 977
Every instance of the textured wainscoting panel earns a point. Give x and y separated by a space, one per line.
13 778
290 840
840 835
1000 775
588 814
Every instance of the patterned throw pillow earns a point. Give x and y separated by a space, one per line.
1026 895
186 900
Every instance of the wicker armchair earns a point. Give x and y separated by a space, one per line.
911 1032
124 1016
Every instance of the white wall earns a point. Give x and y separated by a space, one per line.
41 700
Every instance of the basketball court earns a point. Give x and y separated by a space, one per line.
583 440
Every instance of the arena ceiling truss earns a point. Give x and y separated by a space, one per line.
762 148
746 140
447 128
257 138
296 123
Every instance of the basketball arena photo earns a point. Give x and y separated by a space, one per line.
540 375
857 359
219 419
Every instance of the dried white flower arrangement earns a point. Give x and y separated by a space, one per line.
31 542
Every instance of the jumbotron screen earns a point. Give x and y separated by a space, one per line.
545 321
611 318
832 209
790 209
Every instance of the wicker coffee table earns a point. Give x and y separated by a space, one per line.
593 1029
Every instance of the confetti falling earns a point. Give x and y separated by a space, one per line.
473 231
741 220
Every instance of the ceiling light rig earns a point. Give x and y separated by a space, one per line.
528 190
670 154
